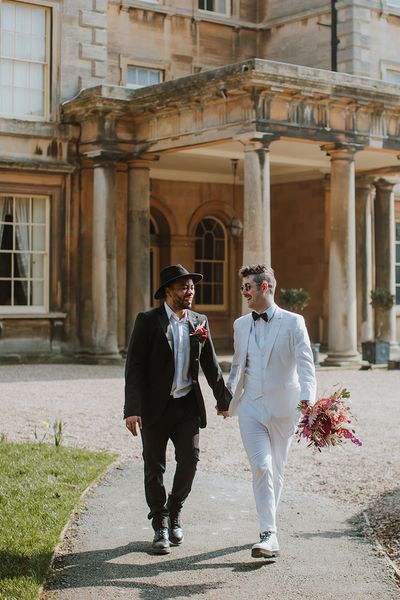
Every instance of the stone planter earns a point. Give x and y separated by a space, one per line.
376 352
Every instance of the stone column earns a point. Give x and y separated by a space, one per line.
104 261
138 242
364 257
257 209
342 336
385 259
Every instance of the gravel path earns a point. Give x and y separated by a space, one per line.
89 401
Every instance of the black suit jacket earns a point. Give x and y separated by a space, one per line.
150 367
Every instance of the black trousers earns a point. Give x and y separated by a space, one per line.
180 424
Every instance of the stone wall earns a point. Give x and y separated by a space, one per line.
83 45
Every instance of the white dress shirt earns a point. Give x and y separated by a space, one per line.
260 327
182 383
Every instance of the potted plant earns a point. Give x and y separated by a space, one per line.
296 299
377 351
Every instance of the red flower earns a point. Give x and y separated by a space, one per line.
201 333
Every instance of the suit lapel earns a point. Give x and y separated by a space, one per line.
247 323
274 326
166 327
194 321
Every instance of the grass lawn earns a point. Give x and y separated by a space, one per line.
39 487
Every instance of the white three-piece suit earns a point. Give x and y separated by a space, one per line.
272 370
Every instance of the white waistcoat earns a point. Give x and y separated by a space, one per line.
255 371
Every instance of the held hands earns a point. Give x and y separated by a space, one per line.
222 413
134 424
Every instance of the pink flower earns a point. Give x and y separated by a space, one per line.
323 424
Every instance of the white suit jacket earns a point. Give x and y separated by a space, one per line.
289 365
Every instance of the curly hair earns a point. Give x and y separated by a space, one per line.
260 273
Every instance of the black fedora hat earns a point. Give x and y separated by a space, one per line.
170 274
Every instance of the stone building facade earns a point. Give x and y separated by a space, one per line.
139 133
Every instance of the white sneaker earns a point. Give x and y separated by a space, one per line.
267 547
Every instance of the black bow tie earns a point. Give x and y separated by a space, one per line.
257 316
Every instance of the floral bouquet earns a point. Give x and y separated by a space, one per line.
327 422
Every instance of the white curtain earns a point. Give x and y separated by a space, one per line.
22 219
5 209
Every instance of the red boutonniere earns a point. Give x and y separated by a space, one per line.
201 333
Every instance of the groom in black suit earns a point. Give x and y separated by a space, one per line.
163 398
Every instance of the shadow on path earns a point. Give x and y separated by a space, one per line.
102 568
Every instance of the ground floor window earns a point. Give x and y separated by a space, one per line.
210 260
398 262
24 253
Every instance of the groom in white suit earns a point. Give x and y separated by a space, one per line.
272 372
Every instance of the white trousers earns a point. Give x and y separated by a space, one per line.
266 440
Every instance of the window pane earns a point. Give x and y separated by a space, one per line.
5 293
21 293
6 72
6 97
207 271
39 23
23 19
398 253
22 266
37 293
219 294
392 76
398 232
36 77
398 274
208 246
8 16
21 102
38 238
21 74
38 50
37 266
220 250
39 210
142 77
36 103
22 46
154 77
7 43
220 6
132 76
218 272
398 295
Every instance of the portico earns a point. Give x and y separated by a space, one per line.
287 126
